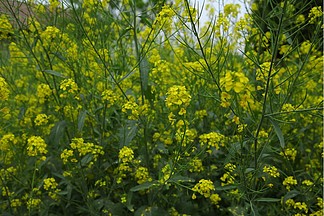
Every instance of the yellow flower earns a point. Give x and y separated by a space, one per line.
36 146
212 139
314 13
4 89
289 153
196 165
126 154
142 175
301 206
66 154
33 203
215 199
41 119
69 87
131 109
289 181
43 92
109 96
177 96
204 187
50 183
307 183
271 170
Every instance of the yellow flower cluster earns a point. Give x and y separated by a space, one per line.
222 25
36 146
126 158
165 15
6 141
307 182
131 109
33 203
289 153
8 173
263 71
82 149
212 139
234 80
305 47
49 35
288 107
271 170
289 181
165 137
43 92
66 154
185 137
231 9
177 97
16 55
300 19
4 90
314 13
200 114
109 96
54 4
68 86
166 173
142 175
196 165
101 183
5 192
5 27
215 199
126 155
290 203
228 177
203 187
41 119
51 185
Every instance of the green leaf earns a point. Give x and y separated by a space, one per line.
279 133
228 187
144 68
81 119
54 73
57 133
144 186
179 178
146 21
268 199
291 194
86 159
127 132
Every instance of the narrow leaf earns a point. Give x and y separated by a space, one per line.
144 68
86 159
291 194
144 186
279 133
81 119
54 73
266 199
57 132
127 132
179 178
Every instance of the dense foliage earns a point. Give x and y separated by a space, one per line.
110 110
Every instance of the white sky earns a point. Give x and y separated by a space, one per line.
219 4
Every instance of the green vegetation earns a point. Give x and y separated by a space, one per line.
107 109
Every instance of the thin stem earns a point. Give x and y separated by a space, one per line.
264 105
